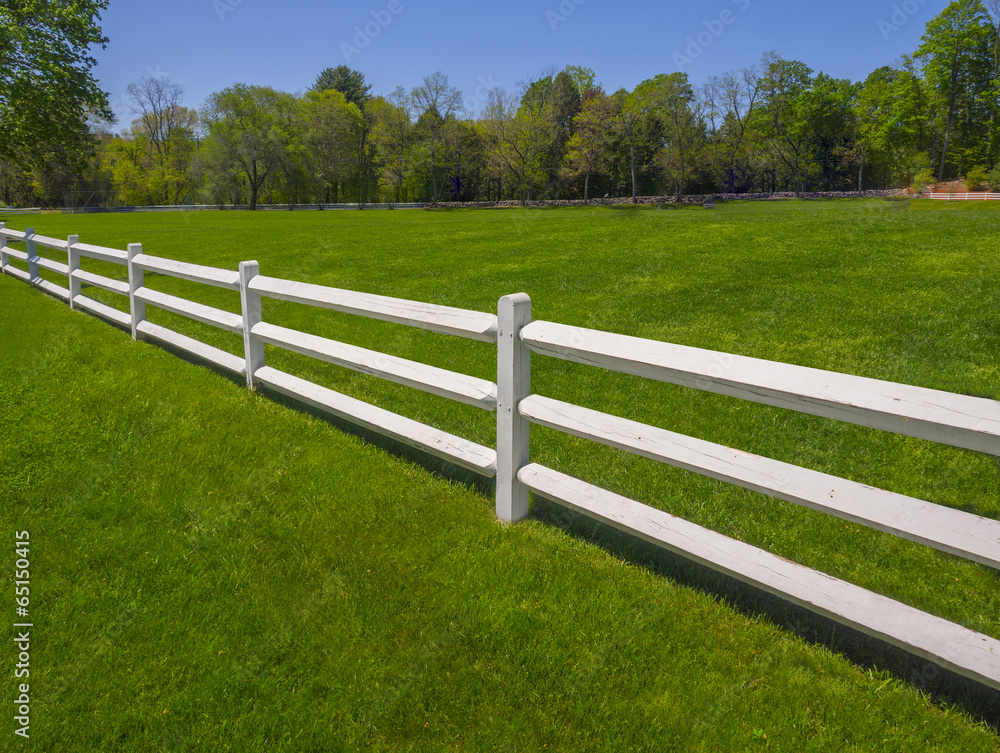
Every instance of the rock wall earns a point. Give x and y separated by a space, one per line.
888 194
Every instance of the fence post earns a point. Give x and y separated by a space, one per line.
513 385
4 261
135 281
33 274
252 315
75 286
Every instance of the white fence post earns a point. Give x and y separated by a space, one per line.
75 286
252 314
513 385
4 261
135 281
33 274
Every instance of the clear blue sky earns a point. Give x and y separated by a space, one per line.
207 45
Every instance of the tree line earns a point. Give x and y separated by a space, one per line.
775 125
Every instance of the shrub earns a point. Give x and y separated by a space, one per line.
976 179
923 179
994 178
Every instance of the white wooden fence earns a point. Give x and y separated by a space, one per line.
960 421
980 196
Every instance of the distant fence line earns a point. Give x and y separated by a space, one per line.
957 420
18 210
970 196
237 208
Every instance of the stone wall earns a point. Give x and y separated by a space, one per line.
893 194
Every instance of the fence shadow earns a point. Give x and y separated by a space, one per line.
944 687
429 462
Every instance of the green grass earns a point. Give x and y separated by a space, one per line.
212 570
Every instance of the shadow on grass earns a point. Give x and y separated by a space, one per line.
429 462
432 463
942 685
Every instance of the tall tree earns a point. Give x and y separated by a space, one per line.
954 49
250 130
167 129
788 145
730 101
515 142
588 150
333 127
435 100
47 88
392 135
671 99
630 111
825 117
561 105
347 81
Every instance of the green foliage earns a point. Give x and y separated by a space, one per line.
958 64
923 180
977 179
994 178
584 79
47 89
347 81
253 133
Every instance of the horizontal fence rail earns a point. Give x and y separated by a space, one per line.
980 196
442 319
965 422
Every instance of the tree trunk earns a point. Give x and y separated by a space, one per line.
951 115
634 189
434 188
586 187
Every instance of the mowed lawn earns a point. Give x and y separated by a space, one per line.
212 570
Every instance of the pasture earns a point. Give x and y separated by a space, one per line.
214 569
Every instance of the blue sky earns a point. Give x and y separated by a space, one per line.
207 45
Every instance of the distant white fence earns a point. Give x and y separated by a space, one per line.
19 210
960 421
981 196
222 207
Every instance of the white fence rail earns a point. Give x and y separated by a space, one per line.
980 196
19 210
960 421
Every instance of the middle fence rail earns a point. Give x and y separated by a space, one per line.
960 421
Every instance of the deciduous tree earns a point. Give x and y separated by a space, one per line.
47 87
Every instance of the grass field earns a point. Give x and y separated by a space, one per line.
212 570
